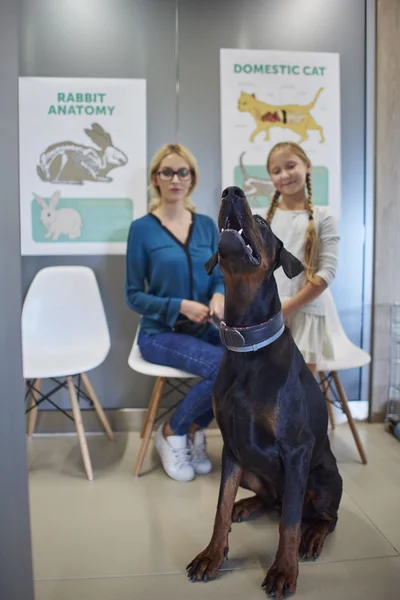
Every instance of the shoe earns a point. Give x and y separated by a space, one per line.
175 455
197 446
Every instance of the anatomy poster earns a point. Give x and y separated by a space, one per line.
272 96
82 163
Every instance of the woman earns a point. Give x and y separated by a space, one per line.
167 250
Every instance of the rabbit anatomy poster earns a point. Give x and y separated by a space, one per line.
82 163
270 96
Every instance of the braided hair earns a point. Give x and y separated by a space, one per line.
273 206
311 245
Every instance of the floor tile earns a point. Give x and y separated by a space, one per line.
352 580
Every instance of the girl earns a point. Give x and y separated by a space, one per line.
310 233
167 250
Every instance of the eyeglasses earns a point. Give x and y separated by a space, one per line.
168 174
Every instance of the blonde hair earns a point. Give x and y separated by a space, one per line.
311 246
162 153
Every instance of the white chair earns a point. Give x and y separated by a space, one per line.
347 356
164 376
64 334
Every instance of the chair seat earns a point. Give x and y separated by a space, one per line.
40 362
348 357
140 365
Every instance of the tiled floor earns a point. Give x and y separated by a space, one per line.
119 538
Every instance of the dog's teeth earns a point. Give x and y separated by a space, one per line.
222 230
250 248
240 232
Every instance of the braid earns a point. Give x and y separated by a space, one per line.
311 246
309 197
272 207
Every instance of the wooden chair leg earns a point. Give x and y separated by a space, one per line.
145 423
76 411
325 389
151 417
32 415
349 416
147 417
96 403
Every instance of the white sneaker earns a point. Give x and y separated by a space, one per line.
175 455
197 446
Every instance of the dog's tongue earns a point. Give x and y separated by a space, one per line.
230 245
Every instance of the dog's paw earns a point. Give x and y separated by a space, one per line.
281 580
312 540
243 509
205 566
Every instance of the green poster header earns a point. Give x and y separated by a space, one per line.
278 69
81 104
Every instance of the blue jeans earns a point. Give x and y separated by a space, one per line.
200 356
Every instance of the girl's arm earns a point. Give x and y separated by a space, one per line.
327 262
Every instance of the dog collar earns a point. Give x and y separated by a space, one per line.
250 339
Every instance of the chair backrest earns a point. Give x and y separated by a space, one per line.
63 306
135 341
333 322
346 354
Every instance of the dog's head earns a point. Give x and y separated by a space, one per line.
247 246
246 102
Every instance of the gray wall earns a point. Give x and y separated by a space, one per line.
15 545
134 38
387 239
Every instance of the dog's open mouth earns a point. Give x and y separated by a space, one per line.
233 225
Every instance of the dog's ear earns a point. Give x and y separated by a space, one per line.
290 264
211 263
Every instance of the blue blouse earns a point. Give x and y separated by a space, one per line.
171 270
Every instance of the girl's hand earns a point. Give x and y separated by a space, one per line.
195 311
217 305
287 310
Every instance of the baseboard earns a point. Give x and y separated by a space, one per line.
358 408
132 419
379 416
121 420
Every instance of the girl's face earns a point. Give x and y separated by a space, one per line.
174 178
288 172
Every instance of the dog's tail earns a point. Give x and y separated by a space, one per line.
242 167
314 102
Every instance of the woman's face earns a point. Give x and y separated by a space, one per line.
288 172
174 178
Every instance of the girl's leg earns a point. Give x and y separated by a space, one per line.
313 368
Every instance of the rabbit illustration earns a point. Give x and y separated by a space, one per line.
65 221
68 162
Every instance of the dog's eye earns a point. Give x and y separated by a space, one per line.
260 221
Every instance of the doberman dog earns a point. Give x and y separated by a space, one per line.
268 406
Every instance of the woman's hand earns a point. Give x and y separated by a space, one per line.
217 305
195 311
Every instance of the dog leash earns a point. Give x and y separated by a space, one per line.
250 339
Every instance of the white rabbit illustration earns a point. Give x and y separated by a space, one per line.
65 221
70 162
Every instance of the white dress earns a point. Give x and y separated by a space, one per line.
308 324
